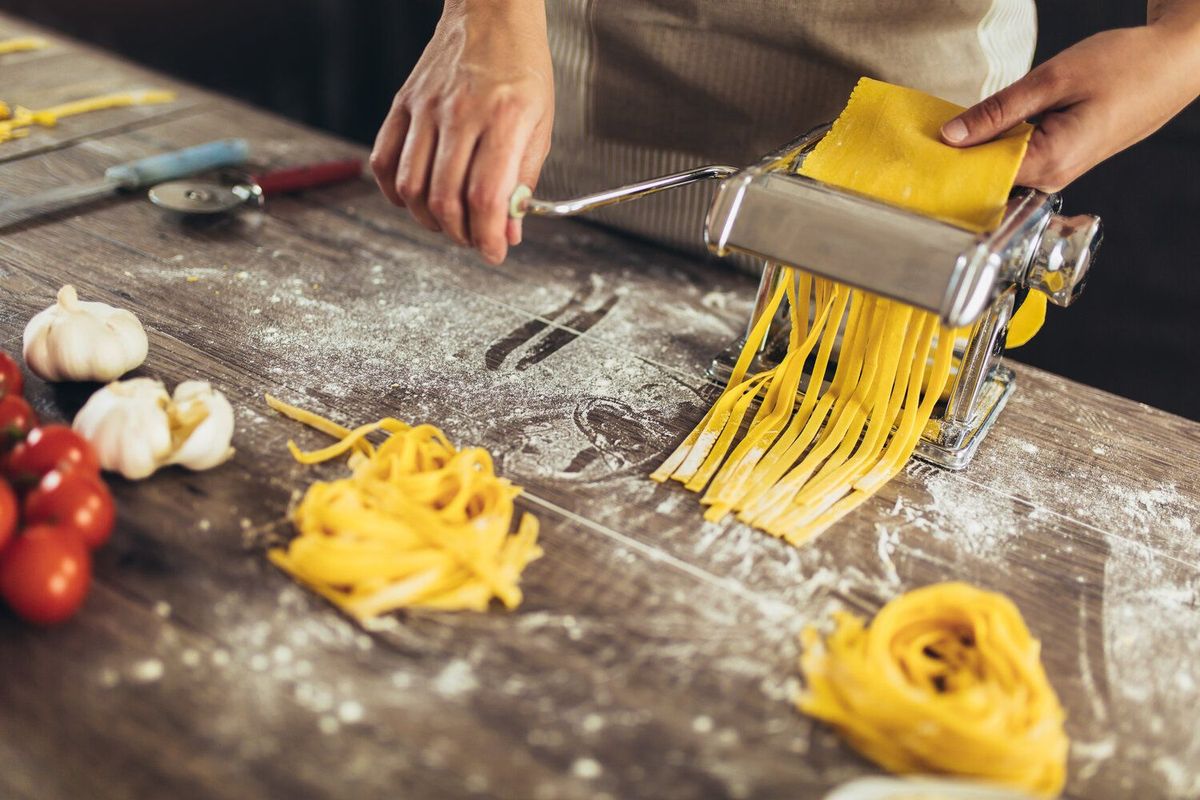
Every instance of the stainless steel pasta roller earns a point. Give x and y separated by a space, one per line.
969 280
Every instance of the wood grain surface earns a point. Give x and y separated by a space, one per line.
655 654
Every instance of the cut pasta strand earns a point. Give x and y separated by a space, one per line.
16 123
21 44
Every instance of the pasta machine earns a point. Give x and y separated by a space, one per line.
971 281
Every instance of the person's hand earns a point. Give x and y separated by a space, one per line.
472 121
1089 102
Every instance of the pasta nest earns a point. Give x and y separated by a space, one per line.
417 523
945 679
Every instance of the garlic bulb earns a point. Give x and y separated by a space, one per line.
74 340
128 426
205 443
136 427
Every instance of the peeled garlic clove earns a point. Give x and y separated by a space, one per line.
128 426
74 340
203 421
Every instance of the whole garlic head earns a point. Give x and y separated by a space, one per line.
128 426
75 340
136 427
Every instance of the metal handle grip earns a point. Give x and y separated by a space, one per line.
522 201
309 176
179 164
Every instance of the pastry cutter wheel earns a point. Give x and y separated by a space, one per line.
768 211
206 197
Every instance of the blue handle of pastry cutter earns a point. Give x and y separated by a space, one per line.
179 164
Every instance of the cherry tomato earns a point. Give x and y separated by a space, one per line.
16 420
11 381
8 514
72 499
45 573
50 447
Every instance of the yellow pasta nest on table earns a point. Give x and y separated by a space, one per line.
945 679
418 523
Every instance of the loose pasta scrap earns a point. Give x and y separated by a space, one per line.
801 466
21 44
418 523
16 122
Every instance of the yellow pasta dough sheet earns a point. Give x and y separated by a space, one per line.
886 144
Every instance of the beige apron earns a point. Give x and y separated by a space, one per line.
647 87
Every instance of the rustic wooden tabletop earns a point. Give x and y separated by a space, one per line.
654 655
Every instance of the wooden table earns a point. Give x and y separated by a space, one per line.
654 655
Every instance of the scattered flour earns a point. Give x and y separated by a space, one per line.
592 723
717 301
350 712
586 768
978 521
456 678
1150 617
146 671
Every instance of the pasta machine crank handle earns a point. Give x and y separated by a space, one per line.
1063 255
522 201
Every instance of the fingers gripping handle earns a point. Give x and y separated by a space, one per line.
179 164
522 201
518 203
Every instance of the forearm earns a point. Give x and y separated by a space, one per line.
532 12
472 121
513 30
501 5
1181 14
1177 24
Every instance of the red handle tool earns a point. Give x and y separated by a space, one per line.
309 176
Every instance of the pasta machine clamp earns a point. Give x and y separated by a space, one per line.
971 281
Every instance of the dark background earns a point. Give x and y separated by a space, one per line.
336 64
